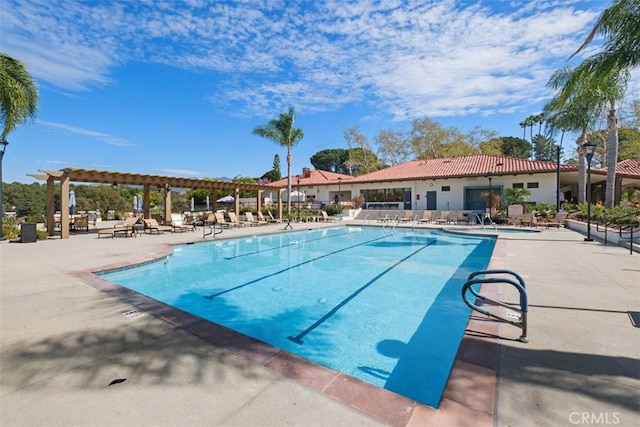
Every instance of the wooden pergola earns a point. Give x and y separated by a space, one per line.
163 183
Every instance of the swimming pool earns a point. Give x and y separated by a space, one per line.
380 305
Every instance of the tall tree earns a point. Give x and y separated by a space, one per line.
619 24
361 158
331 159
609 69
283 132
575 111
276 165
394 147
516 147
18 94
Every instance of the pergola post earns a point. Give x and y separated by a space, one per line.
167 204
146 201
236 201
280 191
259 201
64 207
51 222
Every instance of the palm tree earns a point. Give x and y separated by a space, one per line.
281 131
18 102
620 25
580 101
18 94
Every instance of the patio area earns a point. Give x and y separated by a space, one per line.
69 355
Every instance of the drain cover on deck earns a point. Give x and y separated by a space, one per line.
133 314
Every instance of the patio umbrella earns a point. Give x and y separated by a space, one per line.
135 204
193 204
226 199
207 202
140 203
72 202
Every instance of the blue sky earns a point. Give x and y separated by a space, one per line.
176 88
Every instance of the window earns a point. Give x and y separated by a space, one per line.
532 185
518 185
446 188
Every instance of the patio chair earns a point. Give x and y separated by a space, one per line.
179 224
252 221
126 228
270 220
80 223
408 217
326 217
426 217
222 221
151 226
444 218
233 219
529 220
558 221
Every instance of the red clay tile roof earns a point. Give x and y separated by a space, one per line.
629 168
313 177
451 167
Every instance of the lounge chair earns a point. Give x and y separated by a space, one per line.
127 228
151 226
179 224
444 218
270 220
233 219
223 222
559 220
252 221
326 217
408 217
529 220
426 217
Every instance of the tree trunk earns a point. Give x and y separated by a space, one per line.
288 179
612 156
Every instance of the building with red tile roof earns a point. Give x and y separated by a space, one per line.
456 183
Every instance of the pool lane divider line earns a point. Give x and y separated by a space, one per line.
298 338
212 296
284 246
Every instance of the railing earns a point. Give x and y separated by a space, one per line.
621 227
518 283
212 229
393 221
366 220
480 219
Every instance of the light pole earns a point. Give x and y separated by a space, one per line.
3 146
298 179
490 176
589 148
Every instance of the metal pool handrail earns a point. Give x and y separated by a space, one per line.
518 283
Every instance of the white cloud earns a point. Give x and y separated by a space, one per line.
106 138
413 58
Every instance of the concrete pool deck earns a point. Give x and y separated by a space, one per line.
63 342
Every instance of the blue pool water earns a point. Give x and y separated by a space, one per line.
380 305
